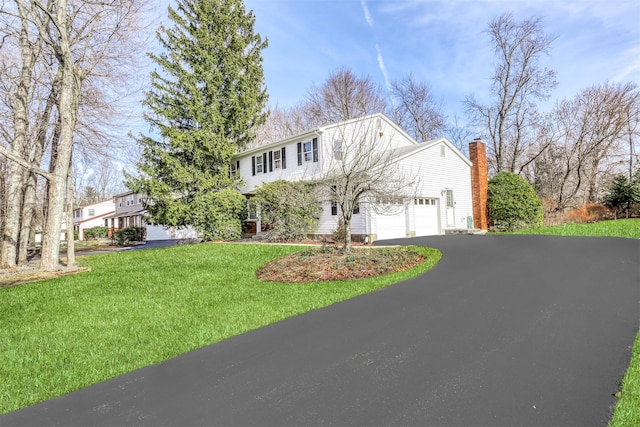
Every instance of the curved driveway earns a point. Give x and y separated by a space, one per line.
505 330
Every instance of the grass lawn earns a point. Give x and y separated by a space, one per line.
138 308
619 228
627 410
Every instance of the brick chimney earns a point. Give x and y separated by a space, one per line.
479 183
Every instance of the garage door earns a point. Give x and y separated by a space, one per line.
392 225
157 232
426 216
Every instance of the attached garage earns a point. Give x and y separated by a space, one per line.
391 225
426 214
157 232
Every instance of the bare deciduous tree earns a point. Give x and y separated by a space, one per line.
583 137
343 96
416 109
360 167
65 47
280 124
518 81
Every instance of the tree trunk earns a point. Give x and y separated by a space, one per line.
28 216
71 253
20 112
70 86
347 235
12 218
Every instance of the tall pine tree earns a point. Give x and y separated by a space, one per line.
206 100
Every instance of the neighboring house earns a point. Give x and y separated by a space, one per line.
443 200
130 212
92 215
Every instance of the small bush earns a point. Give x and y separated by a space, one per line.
341 231
590 212
513 203
95 233
130 234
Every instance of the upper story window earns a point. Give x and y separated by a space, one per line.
308 151
337 150
233 168
91 212
277 160
259 164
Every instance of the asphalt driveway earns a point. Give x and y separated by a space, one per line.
505 330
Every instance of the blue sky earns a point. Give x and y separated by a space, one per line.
441 42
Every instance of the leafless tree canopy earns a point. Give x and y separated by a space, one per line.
585 140
416 109
343 96
519 80
361 167
65 63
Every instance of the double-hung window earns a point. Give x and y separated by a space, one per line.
258 164
307 151
277 162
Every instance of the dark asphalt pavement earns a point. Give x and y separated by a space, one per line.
505 330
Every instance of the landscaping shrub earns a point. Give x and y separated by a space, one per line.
130 234
590 212
289 210
340 233
95 233
513 203
218 215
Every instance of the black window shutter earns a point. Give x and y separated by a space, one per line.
315 149
253 165
270 161
299 153
283 156
264 162
237 166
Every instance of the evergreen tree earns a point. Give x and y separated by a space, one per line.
206 100
623 194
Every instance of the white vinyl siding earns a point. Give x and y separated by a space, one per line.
449 173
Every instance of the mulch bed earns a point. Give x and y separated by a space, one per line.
332 264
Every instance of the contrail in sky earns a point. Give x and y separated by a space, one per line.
383 69
367 15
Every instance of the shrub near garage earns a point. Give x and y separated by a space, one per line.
94 233
513 203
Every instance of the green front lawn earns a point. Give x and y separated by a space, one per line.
138 308
627 410
619 228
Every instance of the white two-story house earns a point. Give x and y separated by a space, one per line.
441 196
91 215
